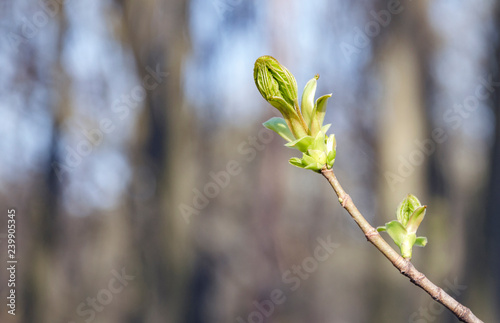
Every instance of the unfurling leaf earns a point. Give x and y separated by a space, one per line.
415 219
301 144
279 126
318 114
406 208
397 232
307 102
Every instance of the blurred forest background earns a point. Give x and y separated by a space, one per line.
132 147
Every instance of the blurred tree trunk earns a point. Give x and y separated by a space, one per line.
46 223
492 221
482 264
157 32
402 55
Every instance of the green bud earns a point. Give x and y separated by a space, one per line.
410 214
406 208
402 238
317 152
278 86
274 80
301 127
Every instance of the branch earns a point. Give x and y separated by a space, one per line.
404 266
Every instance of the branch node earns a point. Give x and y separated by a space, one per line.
438 295
462 311
326 170
418 279
372 232
403 265
344 199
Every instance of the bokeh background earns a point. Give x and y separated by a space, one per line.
132 146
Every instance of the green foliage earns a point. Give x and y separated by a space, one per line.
410 214
302 128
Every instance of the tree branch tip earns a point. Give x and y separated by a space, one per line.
404 265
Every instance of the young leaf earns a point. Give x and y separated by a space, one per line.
406 208
318 155
301 144
307 104
331 148
415 219
319 113
314 167
279 126
331 143
330 159
293 120
296 162
421 241
311 163
397 232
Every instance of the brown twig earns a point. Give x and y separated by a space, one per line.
406 268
